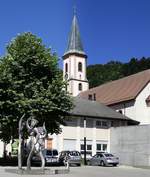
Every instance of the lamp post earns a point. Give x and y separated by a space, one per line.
85 141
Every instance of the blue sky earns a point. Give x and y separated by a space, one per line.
110 29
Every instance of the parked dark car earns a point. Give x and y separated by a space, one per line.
51 157
104 159
73 157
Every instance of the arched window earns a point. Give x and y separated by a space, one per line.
80 66
66 67
80 87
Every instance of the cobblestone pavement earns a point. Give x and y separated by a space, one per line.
89 171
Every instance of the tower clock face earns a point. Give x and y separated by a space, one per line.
66 76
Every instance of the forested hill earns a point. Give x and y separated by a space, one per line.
101 73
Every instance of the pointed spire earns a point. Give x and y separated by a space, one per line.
74 42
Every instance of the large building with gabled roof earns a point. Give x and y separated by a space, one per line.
129 96
99 119
90 119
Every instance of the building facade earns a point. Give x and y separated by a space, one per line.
137 109
72 136
92 120
129 96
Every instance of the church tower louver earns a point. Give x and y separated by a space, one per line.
74 62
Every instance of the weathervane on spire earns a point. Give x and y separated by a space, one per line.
74 9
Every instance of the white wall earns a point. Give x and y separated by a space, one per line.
75 135
73 87
73 72
131 144
1 148
142 111
8 148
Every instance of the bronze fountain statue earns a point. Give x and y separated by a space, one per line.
37 138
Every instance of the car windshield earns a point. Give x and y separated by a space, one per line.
52 152
49 153
74 153
108 155
55 152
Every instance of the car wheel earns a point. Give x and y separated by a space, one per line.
78 164
114 165
102 163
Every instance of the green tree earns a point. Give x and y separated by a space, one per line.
99 74
31 83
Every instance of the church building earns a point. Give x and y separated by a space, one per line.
90 119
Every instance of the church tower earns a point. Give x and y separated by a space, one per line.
74 62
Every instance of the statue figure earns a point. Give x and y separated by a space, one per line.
20 148
66 162
37 136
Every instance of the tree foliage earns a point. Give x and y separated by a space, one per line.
31 83
99 74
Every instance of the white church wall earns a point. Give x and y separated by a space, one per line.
73 72
88 133
138 109
127 108
74 76
69 132
75 87
142 110
80 75
102 134
75 134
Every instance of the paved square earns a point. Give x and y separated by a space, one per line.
91 171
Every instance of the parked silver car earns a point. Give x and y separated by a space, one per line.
104 159
73 157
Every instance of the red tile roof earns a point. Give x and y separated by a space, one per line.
120 90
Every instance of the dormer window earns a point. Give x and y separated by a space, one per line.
90 97
120 111
80 66
148 101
